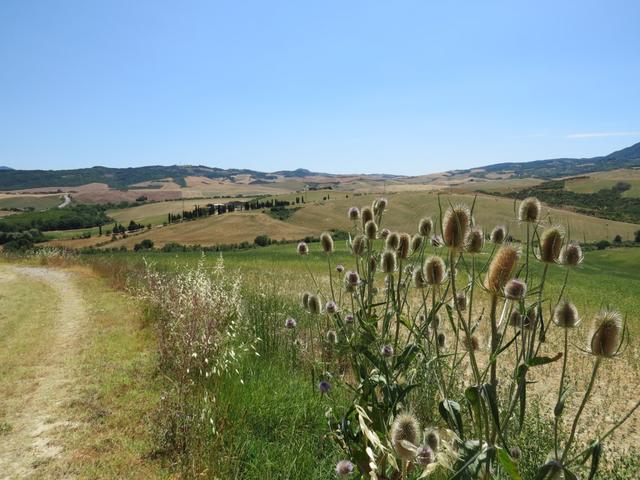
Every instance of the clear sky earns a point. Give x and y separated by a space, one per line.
340 86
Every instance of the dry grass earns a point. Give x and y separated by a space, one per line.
600 180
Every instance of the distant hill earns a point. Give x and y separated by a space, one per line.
2 167
562 167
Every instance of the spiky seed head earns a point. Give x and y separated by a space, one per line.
331 307
515 289
366 214
332 337
515 453
416 242
529 320
471 343
303 248
405 428
379 206
324 386
314 304
571 255
384 233
566 315
475 241
515 319
327 242
441 340
418 278
434 270
433 440
437 241
404 246
498 234
290 323
425 456
349 319
460 301
529 210
386 351
551 244
353 213
388 261
501 268
371 230
373 264
607 336
455 226
358 245
392 241
339 268
425 226
305 300
344 468
352 278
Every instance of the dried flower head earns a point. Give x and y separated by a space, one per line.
405 431
349 319
379 206
498 234
475 241
303 248
351 278
290 323
339 268
373 264
434 270
388 261
314 304
425 226
305 300
515 453
460 301
416 242
366 214
386 351
354 213
344 468
566 315
529 210
327 242
404 246
433 440
515 319
384 233
437 241
441 340
418 278
371 230
392 241
515 289
331 307
332 336
606 339
324 386
358 245
471 343
571 255
550 244
501 268
425 456
455 226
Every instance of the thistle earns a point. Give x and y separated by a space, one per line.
501 268
404 246
392 241
571 255
331 307
498 234
529 210
290 323
388 261
371 230
606 339
344 468
358 245
305 300
418 278
314 304
303 248
566 315
456 226
384 233
353 213
433 440
551 244
475 241
332 337
425 456
515 289
352 278
339 268
416 242
405 430
386 351
379 206
327 242
425 226
366 214
435 270
324 386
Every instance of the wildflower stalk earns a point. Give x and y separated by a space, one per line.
561 389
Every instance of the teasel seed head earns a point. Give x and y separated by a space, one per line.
404 246
529 320
471 344
405 428
455 226
529 210
331 307
515 289
550 244
441 340
373 264
475 241
366 214
435 270
433 440
358 245
344 468
352 278
386 351
349 319
392 241
416 242
418 278
339 268
437 241
314 304
379 206
425 456
501 268
384 233
606 339
515 454
332 337
425 226
571 255
290 323
371 230
388 261
324 386
327 242
566 315
354 213
460 301
515 319
498 234
305 300
303 248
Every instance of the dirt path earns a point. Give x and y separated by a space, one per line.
38 417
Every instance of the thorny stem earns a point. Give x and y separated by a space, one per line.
561 388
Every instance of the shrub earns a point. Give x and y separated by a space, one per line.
262 240
145 244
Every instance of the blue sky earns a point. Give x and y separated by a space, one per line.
340 86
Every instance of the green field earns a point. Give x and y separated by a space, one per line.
605 180
41 202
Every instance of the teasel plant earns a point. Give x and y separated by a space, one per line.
443 327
